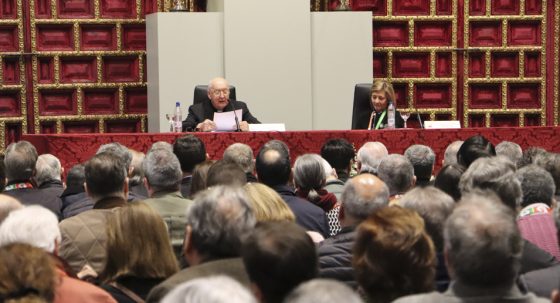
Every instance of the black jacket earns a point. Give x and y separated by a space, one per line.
335 257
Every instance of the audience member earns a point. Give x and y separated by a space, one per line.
136 176
242 155
7 205
309 179
473 148
48 177
397 172
450 155
543 281
422 158
534 220
266 204
216 222
323 291
340 155
278 257
486 271
370 155
531 155
273 169
21 158
434 206
190 151
332 183
216 289
199 176
225 173
163 180
496 175
511 150
74 197
43 232
448 180
139 254
27 274
551 163
363 195
2 173
122 153
83 235
393 255
161 145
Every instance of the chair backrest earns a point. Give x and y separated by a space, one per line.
362 105
201 93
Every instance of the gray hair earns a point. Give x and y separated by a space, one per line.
120 151
309 172
510 150
537 185
496 174
483 242
422 158
329 171
397 172
242 155
434 206
323 291
20 161
359 203
370 155
137 173
47 168
7 205
214 289
162 170
450 155
161 145
219 218
33 225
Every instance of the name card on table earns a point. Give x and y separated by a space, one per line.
442 124
267 127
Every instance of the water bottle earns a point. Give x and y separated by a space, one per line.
391 116
178 118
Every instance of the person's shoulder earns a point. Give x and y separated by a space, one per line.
427 297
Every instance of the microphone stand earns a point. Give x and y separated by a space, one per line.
419 120
235 115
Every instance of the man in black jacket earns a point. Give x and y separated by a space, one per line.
201 115
362 195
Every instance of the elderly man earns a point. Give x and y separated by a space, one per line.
423 159
163 174
201 115
20 161
398 173
362 195
216 223
242 155
43 232
486 271
370 155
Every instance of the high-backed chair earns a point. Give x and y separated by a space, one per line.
201 93
362 106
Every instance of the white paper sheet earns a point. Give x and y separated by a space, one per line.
225 121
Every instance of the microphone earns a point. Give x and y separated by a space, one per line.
419 120
235 115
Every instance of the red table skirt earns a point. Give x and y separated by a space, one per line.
75 148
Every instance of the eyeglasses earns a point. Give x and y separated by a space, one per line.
218 92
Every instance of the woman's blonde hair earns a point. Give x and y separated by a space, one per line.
384 86
267 205
27 274
138 244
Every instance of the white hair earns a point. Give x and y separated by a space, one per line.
370 155
217 289
329 171
48 168
33 225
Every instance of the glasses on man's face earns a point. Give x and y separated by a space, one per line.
219 92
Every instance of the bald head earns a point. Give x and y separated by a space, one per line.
363 195
218 93
273 166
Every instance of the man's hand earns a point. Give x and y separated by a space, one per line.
206 126
244 126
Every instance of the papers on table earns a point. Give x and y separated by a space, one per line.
225 121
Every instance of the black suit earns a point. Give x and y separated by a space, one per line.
204 110
363 120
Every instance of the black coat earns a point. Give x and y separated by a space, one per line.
335 257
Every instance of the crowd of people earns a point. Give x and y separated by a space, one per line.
171 225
